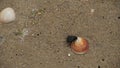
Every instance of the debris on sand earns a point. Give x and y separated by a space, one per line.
36 14
2 39
22 33
25 32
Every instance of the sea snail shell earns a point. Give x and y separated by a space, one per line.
78 45
7 15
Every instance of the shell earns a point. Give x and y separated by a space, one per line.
7 15
80 46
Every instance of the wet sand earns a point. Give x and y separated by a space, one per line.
37 38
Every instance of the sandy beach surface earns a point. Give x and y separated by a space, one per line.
37 38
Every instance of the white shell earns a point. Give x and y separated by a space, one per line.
7 15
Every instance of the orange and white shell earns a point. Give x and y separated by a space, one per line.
80 46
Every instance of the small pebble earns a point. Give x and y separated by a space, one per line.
33 34
92 10
69 54
39 13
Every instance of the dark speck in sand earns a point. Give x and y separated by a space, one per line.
98 66
103 59
78 66
38 34
119 17
103 17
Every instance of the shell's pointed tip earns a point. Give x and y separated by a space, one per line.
71 38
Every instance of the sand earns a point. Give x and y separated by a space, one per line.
37 38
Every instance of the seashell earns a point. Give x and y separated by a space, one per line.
78 45
7 15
